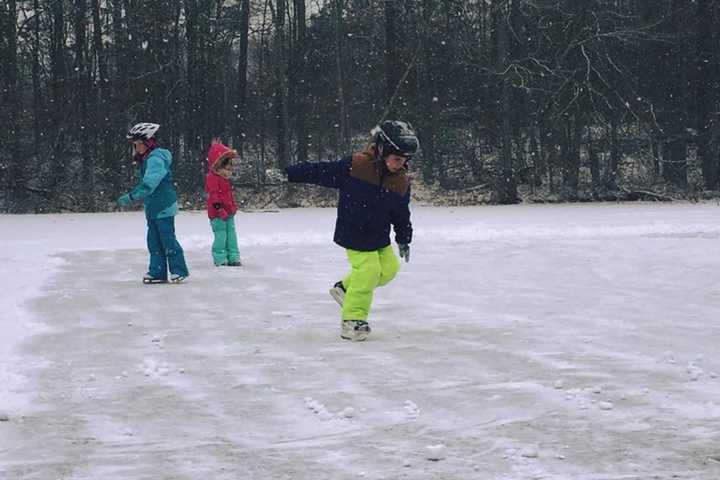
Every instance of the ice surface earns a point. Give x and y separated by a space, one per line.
549 342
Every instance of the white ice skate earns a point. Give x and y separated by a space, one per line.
149 279
337 292
354 330
177 278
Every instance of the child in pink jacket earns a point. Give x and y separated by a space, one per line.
221 205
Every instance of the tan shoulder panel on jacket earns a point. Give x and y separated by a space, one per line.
366 168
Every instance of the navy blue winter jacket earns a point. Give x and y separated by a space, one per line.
370 200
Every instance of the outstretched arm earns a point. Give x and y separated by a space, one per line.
326 174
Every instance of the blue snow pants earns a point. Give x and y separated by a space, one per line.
165 251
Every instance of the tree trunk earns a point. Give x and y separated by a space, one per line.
193 66
300 82
281 100
18 171
571 157
342 132
614 166
393 68
427 95
594 165
263 75
99 49
706 87
198 125
119 85
675 165
37 88
241 112
82 119
506 188
102 102
58 75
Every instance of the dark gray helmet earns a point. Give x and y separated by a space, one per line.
396 137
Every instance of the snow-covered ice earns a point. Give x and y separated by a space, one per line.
552 342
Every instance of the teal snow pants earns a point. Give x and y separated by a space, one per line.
224 247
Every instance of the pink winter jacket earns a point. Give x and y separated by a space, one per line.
220 199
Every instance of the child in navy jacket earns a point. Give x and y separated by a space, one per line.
374 194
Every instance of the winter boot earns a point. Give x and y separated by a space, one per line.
177 278
337 292
236 263
149 279
354 330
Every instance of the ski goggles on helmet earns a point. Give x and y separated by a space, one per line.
405 144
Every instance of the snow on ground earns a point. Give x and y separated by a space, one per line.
523 342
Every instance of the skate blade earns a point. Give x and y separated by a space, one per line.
155 281
337 295
361 337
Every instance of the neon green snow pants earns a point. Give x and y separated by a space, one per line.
224 247
367 271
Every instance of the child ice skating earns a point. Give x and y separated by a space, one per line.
155 188
374 194
221 205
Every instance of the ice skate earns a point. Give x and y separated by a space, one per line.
337 292
149 279
354 330
235 263
177 278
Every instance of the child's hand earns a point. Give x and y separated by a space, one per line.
223 214
124 200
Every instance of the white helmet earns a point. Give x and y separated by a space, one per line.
143 131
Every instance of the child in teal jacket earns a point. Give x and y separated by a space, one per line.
157 191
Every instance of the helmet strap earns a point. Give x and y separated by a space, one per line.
377 147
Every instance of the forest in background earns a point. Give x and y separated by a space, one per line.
512 99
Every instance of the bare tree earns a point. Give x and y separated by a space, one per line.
241 102
506 188
298 81
344 135
17 173
706 86
82 118
393 68
281 93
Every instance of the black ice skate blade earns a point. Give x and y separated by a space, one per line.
154 281
354 339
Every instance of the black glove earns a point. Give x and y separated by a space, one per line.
404 249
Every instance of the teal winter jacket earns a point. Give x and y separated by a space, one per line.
156 187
